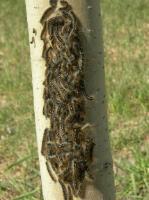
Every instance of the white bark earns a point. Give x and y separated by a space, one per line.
89 14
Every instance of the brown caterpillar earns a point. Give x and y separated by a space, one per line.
67 145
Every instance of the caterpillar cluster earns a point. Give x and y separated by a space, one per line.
67 145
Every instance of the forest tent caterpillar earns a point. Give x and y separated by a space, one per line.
67 145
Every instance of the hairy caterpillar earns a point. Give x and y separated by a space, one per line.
67 145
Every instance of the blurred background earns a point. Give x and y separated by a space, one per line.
126 43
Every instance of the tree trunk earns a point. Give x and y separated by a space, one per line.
88 12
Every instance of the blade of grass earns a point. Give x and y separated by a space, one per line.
133 183
26 194
18 162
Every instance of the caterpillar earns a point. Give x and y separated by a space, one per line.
67 145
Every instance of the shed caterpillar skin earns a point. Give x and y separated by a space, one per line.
67 145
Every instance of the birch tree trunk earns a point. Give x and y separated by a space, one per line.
88 13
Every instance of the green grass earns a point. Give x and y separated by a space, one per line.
18 154
126 28
125 25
